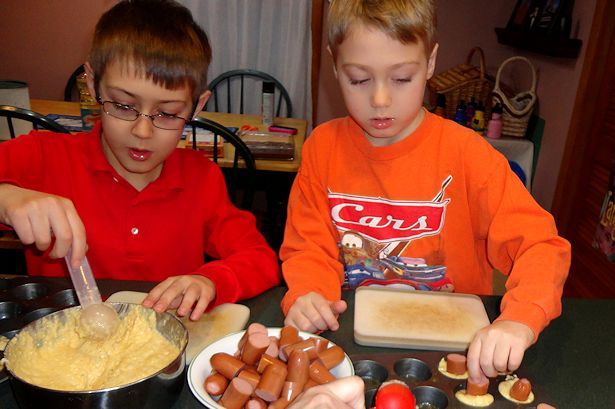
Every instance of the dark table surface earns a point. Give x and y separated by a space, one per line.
573 361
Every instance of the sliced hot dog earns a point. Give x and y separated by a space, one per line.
521 390
250 375
331 357
298 368
477 389
307 345
226 364
320 374
215 384
267 360
254 347
256 403
271 383
456 364
288 335
237 394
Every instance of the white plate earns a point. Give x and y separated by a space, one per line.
200 367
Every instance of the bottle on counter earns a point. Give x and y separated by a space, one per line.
440 105
460 113
267 102
89 108
494 127
478 121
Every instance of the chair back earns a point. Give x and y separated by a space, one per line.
71 84
10 113
233 85
240 177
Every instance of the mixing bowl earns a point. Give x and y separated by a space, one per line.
156 391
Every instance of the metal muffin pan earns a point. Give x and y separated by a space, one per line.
432 389
26 299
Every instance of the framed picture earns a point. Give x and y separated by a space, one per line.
554 18
523 15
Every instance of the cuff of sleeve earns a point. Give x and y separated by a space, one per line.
224 282
529 314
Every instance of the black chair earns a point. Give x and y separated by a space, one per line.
239 179
72 83
234 83
37 120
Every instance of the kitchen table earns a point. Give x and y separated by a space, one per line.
573 361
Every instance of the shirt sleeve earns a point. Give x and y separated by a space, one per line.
244 264
309 253
522 242
21 161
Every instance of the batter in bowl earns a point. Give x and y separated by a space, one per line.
58 355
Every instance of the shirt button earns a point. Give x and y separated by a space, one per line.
134 231
115 179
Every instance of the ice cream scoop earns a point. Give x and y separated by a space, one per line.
98 320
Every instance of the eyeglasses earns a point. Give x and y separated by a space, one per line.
128 113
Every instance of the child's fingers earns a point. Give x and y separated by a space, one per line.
327 317
154 295
501 356
473 361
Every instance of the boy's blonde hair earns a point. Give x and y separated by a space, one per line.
407 21
160 37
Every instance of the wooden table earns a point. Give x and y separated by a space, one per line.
47 107
571 364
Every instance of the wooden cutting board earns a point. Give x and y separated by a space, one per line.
401 318
220 321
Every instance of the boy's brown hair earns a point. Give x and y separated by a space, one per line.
407 21
160 37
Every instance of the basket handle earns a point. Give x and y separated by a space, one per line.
481 55
511 59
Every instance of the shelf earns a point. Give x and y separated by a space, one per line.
551 46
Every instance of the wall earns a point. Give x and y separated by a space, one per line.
463 24
44 41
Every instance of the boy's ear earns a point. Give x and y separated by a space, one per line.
431 64
89 76
333 58
201 102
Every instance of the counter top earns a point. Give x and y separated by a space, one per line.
573 361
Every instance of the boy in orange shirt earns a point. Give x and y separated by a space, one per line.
393 194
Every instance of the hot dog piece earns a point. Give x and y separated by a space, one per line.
309 384
215 384
251 376
291 390
320 374
298 368
477 389
321 343
256 403
226 364
331 357
307 345
267 360
271 383
254 328
273 349
288 335
544 406
456 364
254 347
521 390
236 394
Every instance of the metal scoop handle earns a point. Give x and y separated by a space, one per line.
83 281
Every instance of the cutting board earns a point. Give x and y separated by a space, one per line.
400 318
220 321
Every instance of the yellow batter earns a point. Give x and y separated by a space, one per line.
471 400
58 356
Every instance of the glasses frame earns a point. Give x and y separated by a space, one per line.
151 117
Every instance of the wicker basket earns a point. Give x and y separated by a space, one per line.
463 82
516 109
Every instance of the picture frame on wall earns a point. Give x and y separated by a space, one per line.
523 15
544 17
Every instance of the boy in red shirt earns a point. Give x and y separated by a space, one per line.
393 194
142 209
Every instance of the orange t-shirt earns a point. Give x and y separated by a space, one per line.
442 197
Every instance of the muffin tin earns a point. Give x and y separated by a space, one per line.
432 389
26 299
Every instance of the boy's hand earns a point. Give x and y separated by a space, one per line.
313 313
498 347
38 218
181 293
343 393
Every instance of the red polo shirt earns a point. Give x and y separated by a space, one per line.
162 231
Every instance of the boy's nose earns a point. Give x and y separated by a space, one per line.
143 127
381 96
